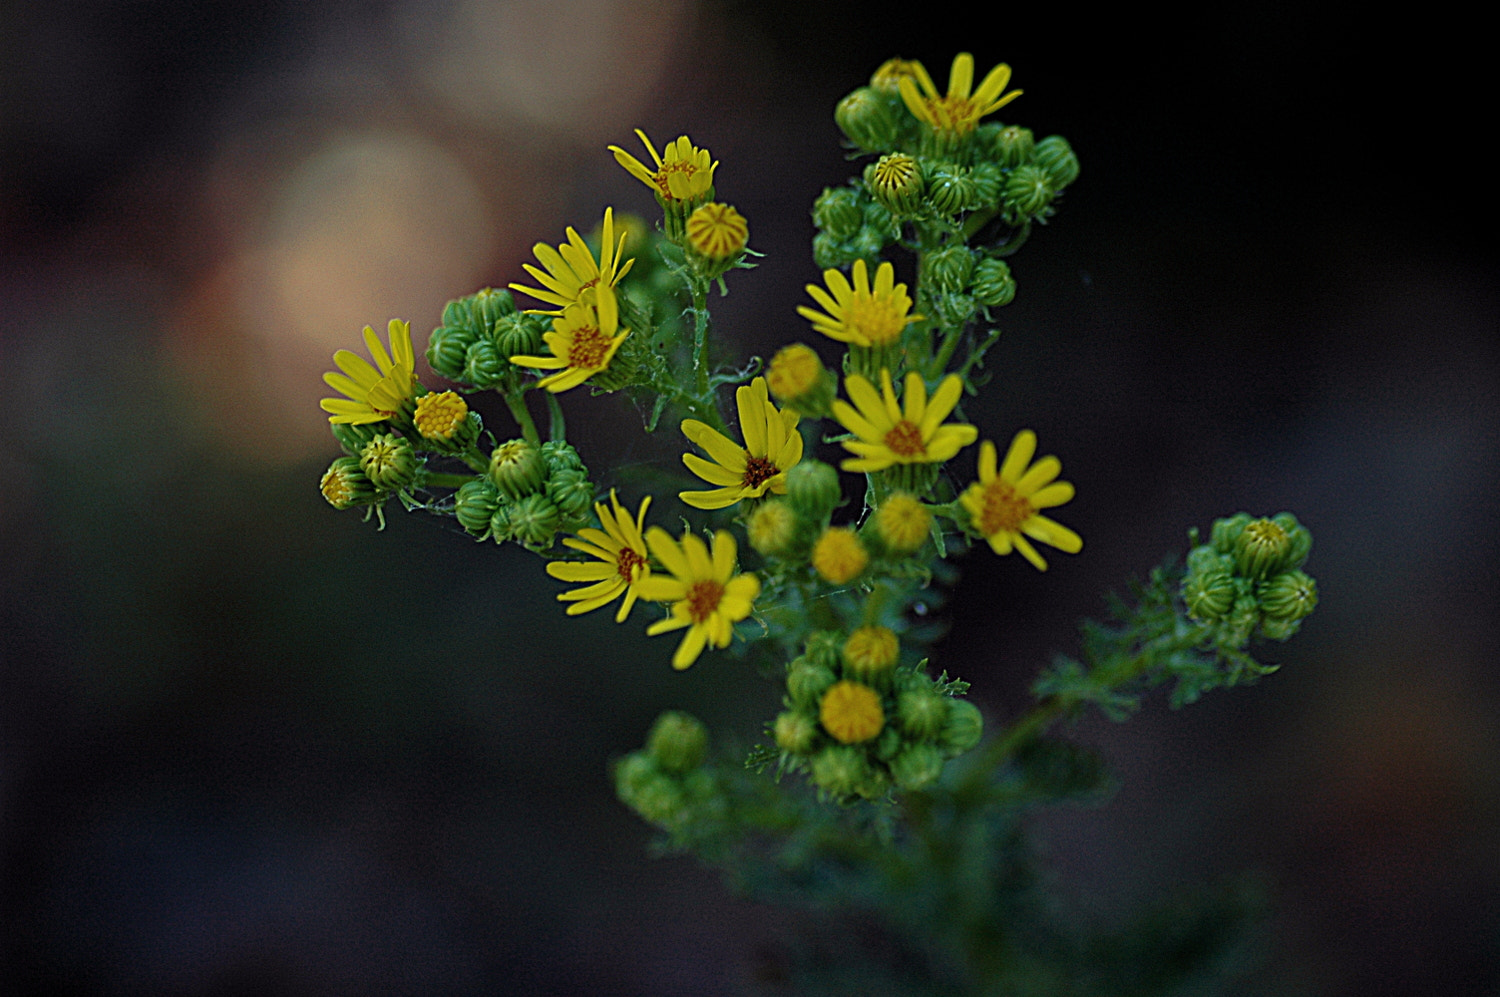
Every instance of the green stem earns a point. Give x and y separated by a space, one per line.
435 479
698 289
557 428
516 402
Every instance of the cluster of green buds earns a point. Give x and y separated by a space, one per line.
528 494
667 783
970 190
1248 579
478 336
858 722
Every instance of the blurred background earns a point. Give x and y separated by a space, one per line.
250 746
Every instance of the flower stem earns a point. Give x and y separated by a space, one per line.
516 402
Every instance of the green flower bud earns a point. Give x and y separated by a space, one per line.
962 729
353 437
812 488
1235 629
1273 629
807 680
1227 531
1300 539
917 766
837 212
633 772
895 181
448 349
823 648
1013 145
573 494
1055 155
473 505
948 269
843 771
1210 592
534 521
517 468
483 365
869 119
500 526
988 179
519 334
992 283
1263 547
830 253
1028 191
868 244
560 455
954 309
389 462
1290 595
489 306
796 733
922 712
678 741
773 528
659 800
344 485
950 190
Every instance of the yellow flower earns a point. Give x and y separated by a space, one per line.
1004 505
582 342
707 596
958 112
572 272
439 414
838 556
851 712
772 447
621 551
717 231
683 173
888 436
373 395
861 314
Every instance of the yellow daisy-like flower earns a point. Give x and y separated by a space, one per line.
892 71
372 395
1003 505
958 112
772 447
683 172
859 313
572 272
888 435
583 341
706 595
622 565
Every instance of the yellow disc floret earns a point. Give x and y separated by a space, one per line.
439 415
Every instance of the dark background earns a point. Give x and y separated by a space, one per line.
250 746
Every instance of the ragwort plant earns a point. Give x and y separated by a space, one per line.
875 792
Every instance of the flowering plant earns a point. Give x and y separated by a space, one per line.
908 811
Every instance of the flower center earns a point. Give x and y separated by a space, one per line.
438 415
953 114
1004 511
671 166
878 320
629 563
588 348
758 470
905 440
703 599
